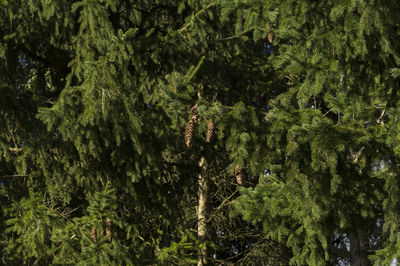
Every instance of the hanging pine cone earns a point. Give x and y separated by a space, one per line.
270 37
195 116
108 229
239 175
210 131
93 235
194 109
189 130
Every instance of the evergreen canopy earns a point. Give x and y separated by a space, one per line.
269 129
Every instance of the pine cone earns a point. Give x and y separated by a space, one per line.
189 130
239 175
210 131
108 229
195 116
93 235
194 109
270 37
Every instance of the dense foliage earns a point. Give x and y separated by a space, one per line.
111 111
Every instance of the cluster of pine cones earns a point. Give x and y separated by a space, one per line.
189 131
191 125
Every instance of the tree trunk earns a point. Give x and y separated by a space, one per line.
358 249
202 212
285 252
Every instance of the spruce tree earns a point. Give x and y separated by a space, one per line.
331 159
95 169
82 133
113 111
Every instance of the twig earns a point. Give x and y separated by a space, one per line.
173 87
238 35
381 116
196 69
197 14
3 176
219 207
15 149
328 112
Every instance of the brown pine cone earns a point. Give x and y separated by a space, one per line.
93 235
270 37
189 130
195 115
239 175
108 229
210 131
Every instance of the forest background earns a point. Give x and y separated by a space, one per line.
214 132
